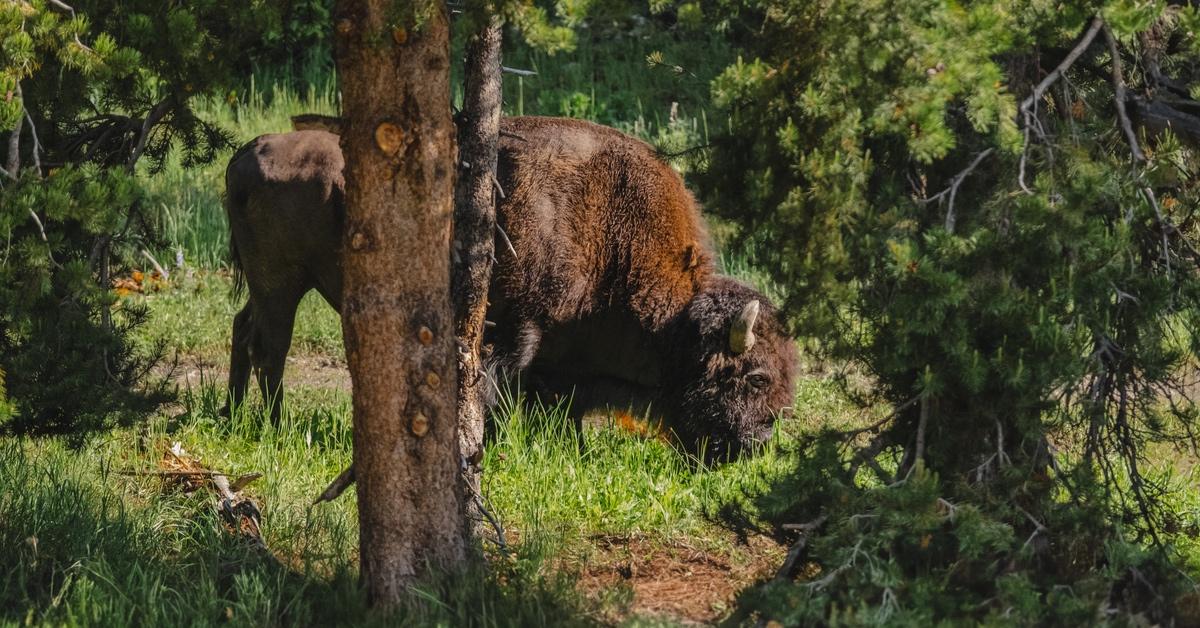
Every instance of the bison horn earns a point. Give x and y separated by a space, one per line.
741 332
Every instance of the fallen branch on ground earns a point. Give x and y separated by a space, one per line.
796 553
239 513
162 272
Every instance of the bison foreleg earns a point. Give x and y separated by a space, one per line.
516 346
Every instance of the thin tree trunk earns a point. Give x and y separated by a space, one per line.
13 162
474 239
394 67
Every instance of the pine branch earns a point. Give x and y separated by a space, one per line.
1094 28
1028 106
1118 82
153 117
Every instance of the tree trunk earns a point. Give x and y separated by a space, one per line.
474 238
393 64
13 162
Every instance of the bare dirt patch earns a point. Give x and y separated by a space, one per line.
303 370
678 579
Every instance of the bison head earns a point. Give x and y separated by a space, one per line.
736 370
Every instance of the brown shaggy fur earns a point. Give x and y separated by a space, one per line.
604 280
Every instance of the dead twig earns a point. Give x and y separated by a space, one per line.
240 513
337 486
37 144
951 509
62 6
824 582
41 228
806 527
153 117
507 243
1021 166
12 163
241 482
796 553
1094 28
952 191
1163 224
519 72
1037 525
876 425
866 456
1001 455
481 505
919 456
499 189
162 272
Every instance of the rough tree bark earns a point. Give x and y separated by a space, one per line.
394 67
474 238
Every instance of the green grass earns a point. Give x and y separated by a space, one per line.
86 544
89 545
195 316
93 546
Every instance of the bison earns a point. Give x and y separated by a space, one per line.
604 283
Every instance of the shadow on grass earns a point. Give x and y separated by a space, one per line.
92 547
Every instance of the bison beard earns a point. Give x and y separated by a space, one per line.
603 286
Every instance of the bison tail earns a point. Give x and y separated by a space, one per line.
234 200
235 260
235 266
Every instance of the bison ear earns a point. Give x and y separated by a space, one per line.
741 331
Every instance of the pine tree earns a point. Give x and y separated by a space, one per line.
989 206
87 90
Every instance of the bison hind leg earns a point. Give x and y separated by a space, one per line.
239 360
270 340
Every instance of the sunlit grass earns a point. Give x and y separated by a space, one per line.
95 546
195 316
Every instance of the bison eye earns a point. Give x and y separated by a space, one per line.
758 380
